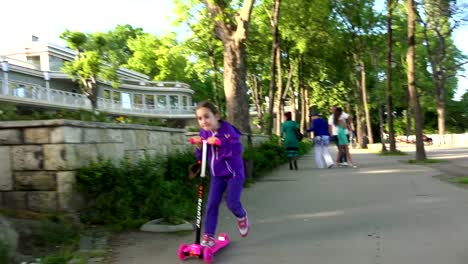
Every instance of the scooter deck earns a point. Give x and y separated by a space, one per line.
220 242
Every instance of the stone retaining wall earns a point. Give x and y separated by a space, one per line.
38 159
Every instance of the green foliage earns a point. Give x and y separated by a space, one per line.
427 161
4 254
461 180
154 187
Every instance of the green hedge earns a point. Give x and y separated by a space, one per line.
127 195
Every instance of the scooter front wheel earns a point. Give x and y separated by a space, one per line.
181 253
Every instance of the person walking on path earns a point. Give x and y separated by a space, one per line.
224 156
342 137
321 141
289 130
333 130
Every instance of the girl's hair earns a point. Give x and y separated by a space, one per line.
209 105
288 115
336 115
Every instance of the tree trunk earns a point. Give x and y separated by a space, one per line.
366 108
382 131
258 101
215 82
358 95
274 47
235 89
389 97
232 31
413 93
279 84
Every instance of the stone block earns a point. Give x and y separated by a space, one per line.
35 181
68 199
6 177
134 156
155 139
27 157
141 139
112 151
42 201
10 136
178 138
15 200
68 156
95 135
66 135
162 150
66 181
129 139
36 135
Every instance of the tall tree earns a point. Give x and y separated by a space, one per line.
413 93
275 48
94 60
437 31
231 27
388 94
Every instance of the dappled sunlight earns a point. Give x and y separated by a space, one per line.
448 156
302 217
382 171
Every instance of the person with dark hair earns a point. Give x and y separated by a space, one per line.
321 141
342 137
224 158
289 130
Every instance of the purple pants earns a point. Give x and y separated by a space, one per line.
218 185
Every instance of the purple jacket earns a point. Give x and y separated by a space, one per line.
226 159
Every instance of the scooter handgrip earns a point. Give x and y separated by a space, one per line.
217 142
194 141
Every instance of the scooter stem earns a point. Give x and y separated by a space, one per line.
203 168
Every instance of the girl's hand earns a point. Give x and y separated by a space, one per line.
197 140
213 141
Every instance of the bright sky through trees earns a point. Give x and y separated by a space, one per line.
47 19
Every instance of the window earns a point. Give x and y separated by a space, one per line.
55 63
137 99
20 91
184 102
107 94
116 97
34 60
126 101
174 99
149 99
162 102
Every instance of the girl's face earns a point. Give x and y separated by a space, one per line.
206 119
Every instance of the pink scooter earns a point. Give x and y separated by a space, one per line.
195 249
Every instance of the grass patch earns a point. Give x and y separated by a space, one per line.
392 153
460 180
427 161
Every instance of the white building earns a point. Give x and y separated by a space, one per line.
32 77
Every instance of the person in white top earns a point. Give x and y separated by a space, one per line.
333 129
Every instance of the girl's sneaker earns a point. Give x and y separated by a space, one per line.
243 225
207 241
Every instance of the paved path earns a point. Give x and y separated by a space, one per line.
385 211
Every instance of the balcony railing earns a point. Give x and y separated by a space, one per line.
31 94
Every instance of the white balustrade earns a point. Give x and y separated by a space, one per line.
35 94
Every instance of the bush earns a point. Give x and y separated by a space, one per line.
128 195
